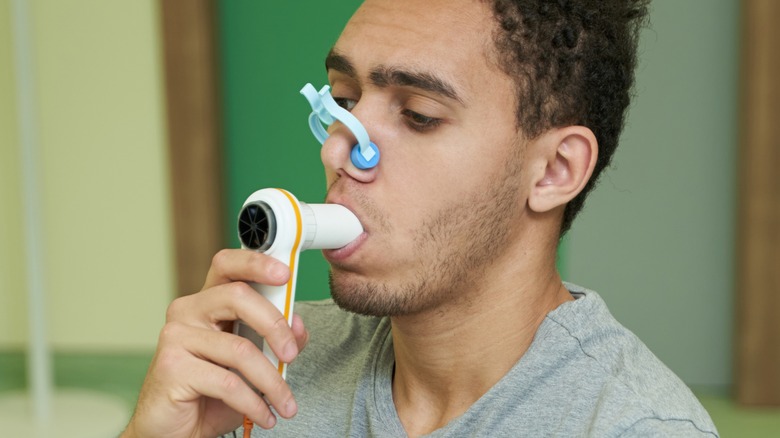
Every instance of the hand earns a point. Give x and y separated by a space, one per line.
188 390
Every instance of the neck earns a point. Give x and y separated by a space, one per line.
448 357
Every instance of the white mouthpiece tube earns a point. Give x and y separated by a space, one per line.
328 226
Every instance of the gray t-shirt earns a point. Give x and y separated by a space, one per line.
583 375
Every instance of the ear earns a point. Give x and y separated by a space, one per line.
564 159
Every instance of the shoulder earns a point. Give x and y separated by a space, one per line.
633 389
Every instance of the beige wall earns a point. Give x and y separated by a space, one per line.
106 230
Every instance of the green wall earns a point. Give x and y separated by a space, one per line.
269 51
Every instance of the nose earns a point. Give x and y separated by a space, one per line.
335 155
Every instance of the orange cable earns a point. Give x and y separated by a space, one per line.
248 425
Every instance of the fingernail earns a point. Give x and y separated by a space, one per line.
290 350
271 422
278 270
291 407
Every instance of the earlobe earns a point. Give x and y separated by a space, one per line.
566 160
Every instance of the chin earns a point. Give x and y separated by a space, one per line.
356 294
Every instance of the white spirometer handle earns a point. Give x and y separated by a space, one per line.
274 222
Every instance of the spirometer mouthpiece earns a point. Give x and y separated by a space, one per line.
274 222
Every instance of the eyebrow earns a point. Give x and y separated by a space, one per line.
339 62
384 76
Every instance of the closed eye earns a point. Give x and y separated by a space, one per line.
420 122
416 121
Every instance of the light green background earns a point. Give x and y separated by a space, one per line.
104 183
11 266
657 237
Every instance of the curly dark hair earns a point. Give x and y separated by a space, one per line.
573 64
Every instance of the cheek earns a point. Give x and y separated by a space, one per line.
421 174
416 191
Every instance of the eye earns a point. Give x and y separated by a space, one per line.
420 122
345 103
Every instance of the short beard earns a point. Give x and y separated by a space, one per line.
372 298
457 245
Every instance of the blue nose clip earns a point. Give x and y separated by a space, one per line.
365 154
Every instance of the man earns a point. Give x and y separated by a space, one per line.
494 119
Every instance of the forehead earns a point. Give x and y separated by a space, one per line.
451 37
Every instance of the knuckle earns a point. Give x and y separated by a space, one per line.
220 259
240 291
281 329
244 349
169 332
231 382
278 387
280 323
175 309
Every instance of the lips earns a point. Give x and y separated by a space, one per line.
342 254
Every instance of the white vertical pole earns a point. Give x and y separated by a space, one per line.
38 359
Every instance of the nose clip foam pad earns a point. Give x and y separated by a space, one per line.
365 154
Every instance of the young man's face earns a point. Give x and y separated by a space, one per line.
449 191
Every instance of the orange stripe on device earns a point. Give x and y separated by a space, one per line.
293 253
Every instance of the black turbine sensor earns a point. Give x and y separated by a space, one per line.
257 226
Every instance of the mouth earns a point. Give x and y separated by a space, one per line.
340 255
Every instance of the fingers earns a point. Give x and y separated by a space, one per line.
242 355
188 381
233 301
230 268
231 265
300 332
